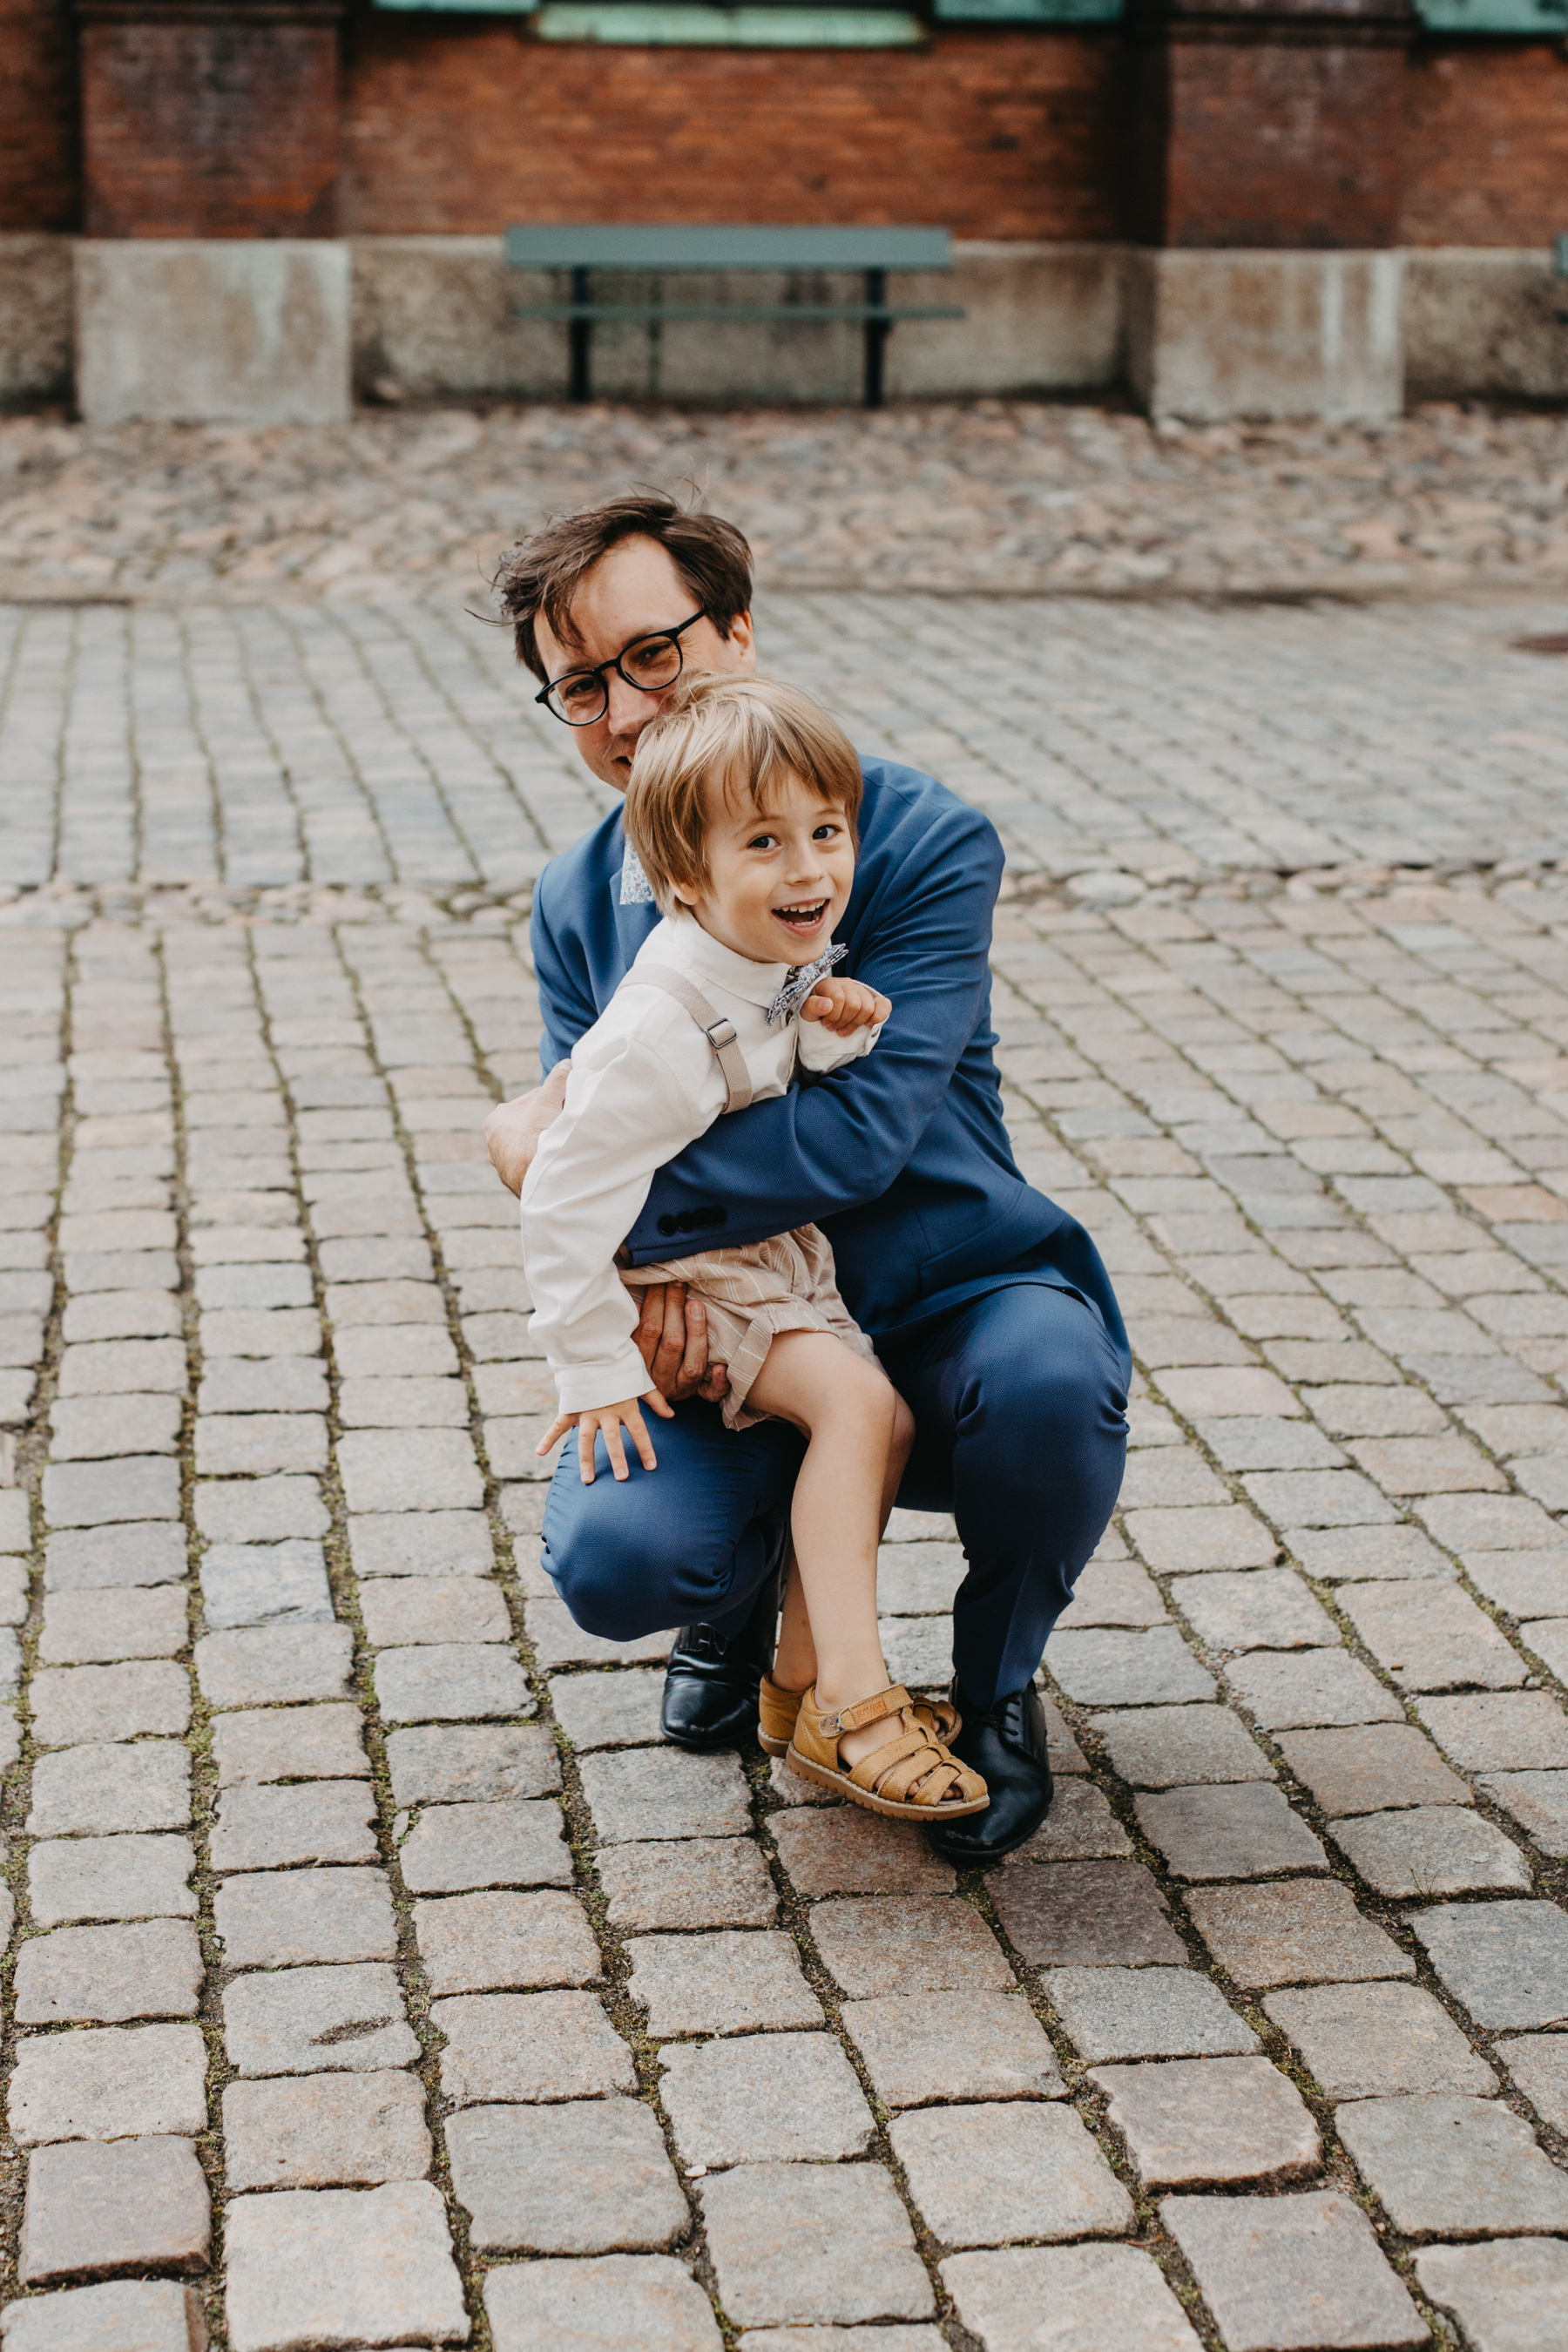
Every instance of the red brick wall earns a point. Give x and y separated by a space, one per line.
39 179
996 135
461 128
1486 150
220 129
1272 142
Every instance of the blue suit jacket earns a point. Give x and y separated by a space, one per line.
903 1159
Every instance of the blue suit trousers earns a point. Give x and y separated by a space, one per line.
1019 1398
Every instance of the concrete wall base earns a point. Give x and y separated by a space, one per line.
269 333
1211 335
1484 319
1042 318
431 316
34 319
209 330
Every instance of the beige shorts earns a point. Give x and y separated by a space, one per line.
753 1294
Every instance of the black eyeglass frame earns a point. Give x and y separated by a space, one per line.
653 637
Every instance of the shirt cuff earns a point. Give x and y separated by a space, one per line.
583 1388
827 1052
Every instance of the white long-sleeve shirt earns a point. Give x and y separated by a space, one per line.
644 1082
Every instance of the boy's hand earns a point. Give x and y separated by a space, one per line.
845 1006
609 1418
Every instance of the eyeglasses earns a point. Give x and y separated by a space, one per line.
583 696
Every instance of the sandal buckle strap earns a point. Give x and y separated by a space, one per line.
891 1701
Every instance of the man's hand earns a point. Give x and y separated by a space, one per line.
845 1006
513 1128
609 1418
671 1338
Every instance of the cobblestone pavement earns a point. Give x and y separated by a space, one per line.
372 1958
370 744
376 1977
987 496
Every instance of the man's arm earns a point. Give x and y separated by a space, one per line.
565 990
630 1104
834 1145
671 1335
513 1129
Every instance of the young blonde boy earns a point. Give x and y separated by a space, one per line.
742 810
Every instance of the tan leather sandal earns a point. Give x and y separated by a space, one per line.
911 1777
776 1712
777 1709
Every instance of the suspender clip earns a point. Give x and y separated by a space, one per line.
717 1027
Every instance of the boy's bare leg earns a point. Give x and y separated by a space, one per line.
794 1661
851 1416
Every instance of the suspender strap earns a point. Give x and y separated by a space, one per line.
717 1027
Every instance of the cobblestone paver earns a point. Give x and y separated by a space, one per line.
377 1978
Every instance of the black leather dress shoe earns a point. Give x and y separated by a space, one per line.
1005 1744
711 1683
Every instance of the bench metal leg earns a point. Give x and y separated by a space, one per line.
580 336
876 333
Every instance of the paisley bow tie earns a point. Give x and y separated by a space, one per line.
799 986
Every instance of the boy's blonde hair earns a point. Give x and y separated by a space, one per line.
744 735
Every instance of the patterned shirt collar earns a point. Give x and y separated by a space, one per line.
636 890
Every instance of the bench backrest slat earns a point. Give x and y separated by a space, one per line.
614 247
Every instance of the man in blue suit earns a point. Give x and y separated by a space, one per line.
989 1306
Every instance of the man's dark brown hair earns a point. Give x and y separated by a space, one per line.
543 573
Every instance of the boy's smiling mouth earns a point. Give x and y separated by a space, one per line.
802 920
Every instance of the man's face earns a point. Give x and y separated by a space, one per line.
633 592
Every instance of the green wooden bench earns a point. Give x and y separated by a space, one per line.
873 251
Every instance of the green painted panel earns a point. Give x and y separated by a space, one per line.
678 26
464 7
595 245
695 24
854 314
1544 18
1030 11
